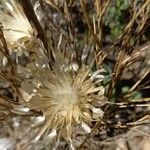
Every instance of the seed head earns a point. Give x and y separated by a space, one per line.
15 25
67 99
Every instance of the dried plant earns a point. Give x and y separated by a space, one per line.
15 25
68 98
57 74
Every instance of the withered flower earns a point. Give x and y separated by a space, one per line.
15 25
67 98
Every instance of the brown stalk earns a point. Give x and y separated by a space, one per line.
53 4
125 37
98 26
82 3
116 73
135 86
134 56
100 9
128 27
29 11
71 26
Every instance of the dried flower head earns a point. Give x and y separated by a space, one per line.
15 25
67 98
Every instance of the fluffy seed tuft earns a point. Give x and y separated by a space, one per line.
67 98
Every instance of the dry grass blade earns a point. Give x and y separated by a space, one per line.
138 82
95 39
53 4
101 9
128 94
121 63
65 84
126 33
143 133
135 15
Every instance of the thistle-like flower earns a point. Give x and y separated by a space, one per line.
15 25
67 98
